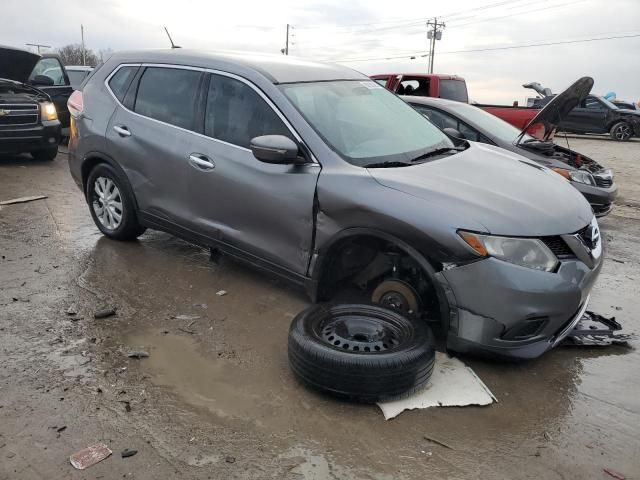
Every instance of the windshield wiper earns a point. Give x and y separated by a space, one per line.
437 151
387 164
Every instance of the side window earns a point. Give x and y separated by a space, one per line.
119 83
168 95
468 132
438 118
235 113
50 67
592 104
414 86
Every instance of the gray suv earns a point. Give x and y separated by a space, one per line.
318 174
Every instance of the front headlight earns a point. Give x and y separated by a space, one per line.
526 252
48 111
579 176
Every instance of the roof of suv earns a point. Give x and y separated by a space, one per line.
277 68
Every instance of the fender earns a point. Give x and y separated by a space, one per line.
91 159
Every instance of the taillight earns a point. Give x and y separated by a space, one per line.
75 104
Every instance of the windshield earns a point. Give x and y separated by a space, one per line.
364 122
454 90
492 125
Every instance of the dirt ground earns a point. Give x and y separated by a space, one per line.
215 398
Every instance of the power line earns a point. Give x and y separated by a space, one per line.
406 20
490 49
315 45
517 13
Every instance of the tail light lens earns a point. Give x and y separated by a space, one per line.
75 104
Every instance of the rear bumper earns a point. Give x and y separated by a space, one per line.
29 139
504 310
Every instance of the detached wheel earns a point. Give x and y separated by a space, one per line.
45 155
111 204
364 353
621 131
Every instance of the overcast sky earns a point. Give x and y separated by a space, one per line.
343 30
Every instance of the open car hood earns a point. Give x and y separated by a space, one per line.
560 106
17 64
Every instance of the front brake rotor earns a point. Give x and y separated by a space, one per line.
396 295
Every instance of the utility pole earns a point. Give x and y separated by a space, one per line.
38 45
286 45
84 56
434 33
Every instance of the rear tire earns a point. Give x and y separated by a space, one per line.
621 132
45 155
112 204
364 353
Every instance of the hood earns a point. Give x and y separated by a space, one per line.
560 106
506 193
17 64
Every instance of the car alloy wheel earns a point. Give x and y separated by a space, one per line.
622 132
107 203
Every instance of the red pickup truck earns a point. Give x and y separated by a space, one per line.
452 87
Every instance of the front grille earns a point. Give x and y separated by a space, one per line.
558 246
604 182
20 114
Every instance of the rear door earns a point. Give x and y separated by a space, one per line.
151 134
61 89
259 210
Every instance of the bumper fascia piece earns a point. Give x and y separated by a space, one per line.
490 297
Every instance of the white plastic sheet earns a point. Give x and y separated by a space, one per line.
452 384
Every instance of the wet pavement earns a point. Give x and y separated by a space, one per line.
215 398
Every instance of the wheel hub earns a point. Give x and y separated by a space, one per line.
359 334
396 295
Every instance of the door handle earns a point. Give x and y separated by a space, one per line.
122 130
201 162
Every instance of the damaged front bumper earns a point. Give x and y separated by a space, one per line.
506 310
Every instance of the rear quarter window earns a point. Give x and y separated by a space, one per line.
120 82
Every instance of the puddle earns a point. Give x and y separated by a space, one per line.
222 387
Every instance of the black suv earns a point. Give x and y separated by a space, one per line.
34 90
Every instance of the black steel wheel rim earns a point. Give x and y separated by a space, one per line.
363 333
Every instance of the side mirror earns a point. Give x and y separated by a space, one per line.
275 149
452 132
42 80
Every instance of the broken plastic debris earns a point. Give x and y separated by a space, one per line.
614 474
596 330
221 293
104 313
452 384
89 456
138 354
23 199
126 453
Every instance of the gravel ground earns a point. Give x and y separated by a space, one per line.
215 398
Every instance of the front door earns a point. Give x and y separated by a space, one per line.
60 90
589 117
258 209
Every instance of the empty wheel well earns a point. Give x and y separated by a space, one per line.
359 263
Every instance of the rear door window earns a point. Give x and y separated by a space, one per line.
121 80
169 95
454 90
235 113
